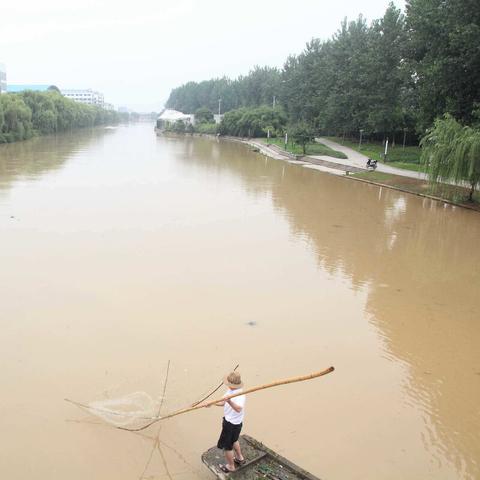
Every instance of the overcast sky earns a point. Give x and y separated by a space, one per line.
135 52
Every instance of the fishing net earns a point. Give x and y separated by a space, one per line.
128 411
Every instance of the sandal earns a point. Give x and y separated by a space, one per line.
224 468
239 462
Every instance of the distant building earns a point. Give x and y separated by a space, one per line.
169 117
3 78
89 96
32 87
108 106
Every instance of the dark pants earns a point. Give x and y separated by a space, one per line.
229 435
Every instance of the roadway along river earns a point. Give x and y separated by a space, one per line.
121 250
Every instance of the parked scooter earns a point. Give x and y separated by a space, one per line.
371 164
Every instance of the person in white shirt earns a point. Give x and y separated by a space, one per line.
233 413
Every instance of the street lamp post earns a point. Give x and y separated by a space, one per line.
404 137
219 105
360 142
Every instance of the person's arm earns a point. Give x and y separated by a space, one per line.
236 407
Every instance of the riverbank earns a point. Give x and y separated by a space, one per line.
415 183
407 181
444 193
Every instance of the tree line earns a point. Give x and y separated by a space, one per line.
393 76
29 113
251 90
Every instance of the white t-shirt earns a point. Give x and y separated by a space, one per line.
229 413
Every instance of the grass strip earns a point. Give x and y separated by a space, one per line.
407 158
311 148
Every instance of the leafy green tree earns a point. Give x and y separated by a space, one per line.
253 122
388 76
42 106
67 113
443 52
303 134
203 115
206 128
452 152
46 121
17 118
179 127
307 82
348 102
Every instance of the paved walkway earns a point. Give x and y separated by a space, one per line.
319 162
278 153
356 159
356 162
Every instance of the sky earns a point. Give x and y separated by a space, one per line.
135 52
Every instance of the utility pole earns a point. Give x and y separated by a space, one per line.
219 106
360 142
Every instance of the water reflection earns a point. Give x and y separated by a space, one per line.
30 159
419 261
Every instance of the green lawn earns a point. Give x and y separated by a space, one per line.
312 148
407 158
416 167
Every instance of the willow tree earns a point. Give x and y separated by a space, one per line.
451 152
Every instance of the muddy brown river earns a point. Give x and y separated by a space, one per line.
121 251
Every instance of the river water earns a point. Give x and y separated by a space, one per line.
121 251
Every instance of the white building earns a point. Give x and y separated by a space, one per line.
3 78
89 96
171 116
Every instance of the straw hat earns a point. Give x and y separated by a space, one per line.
233 380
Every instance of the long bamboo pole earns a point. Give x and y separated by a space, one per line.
233 395
213 391
126 414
